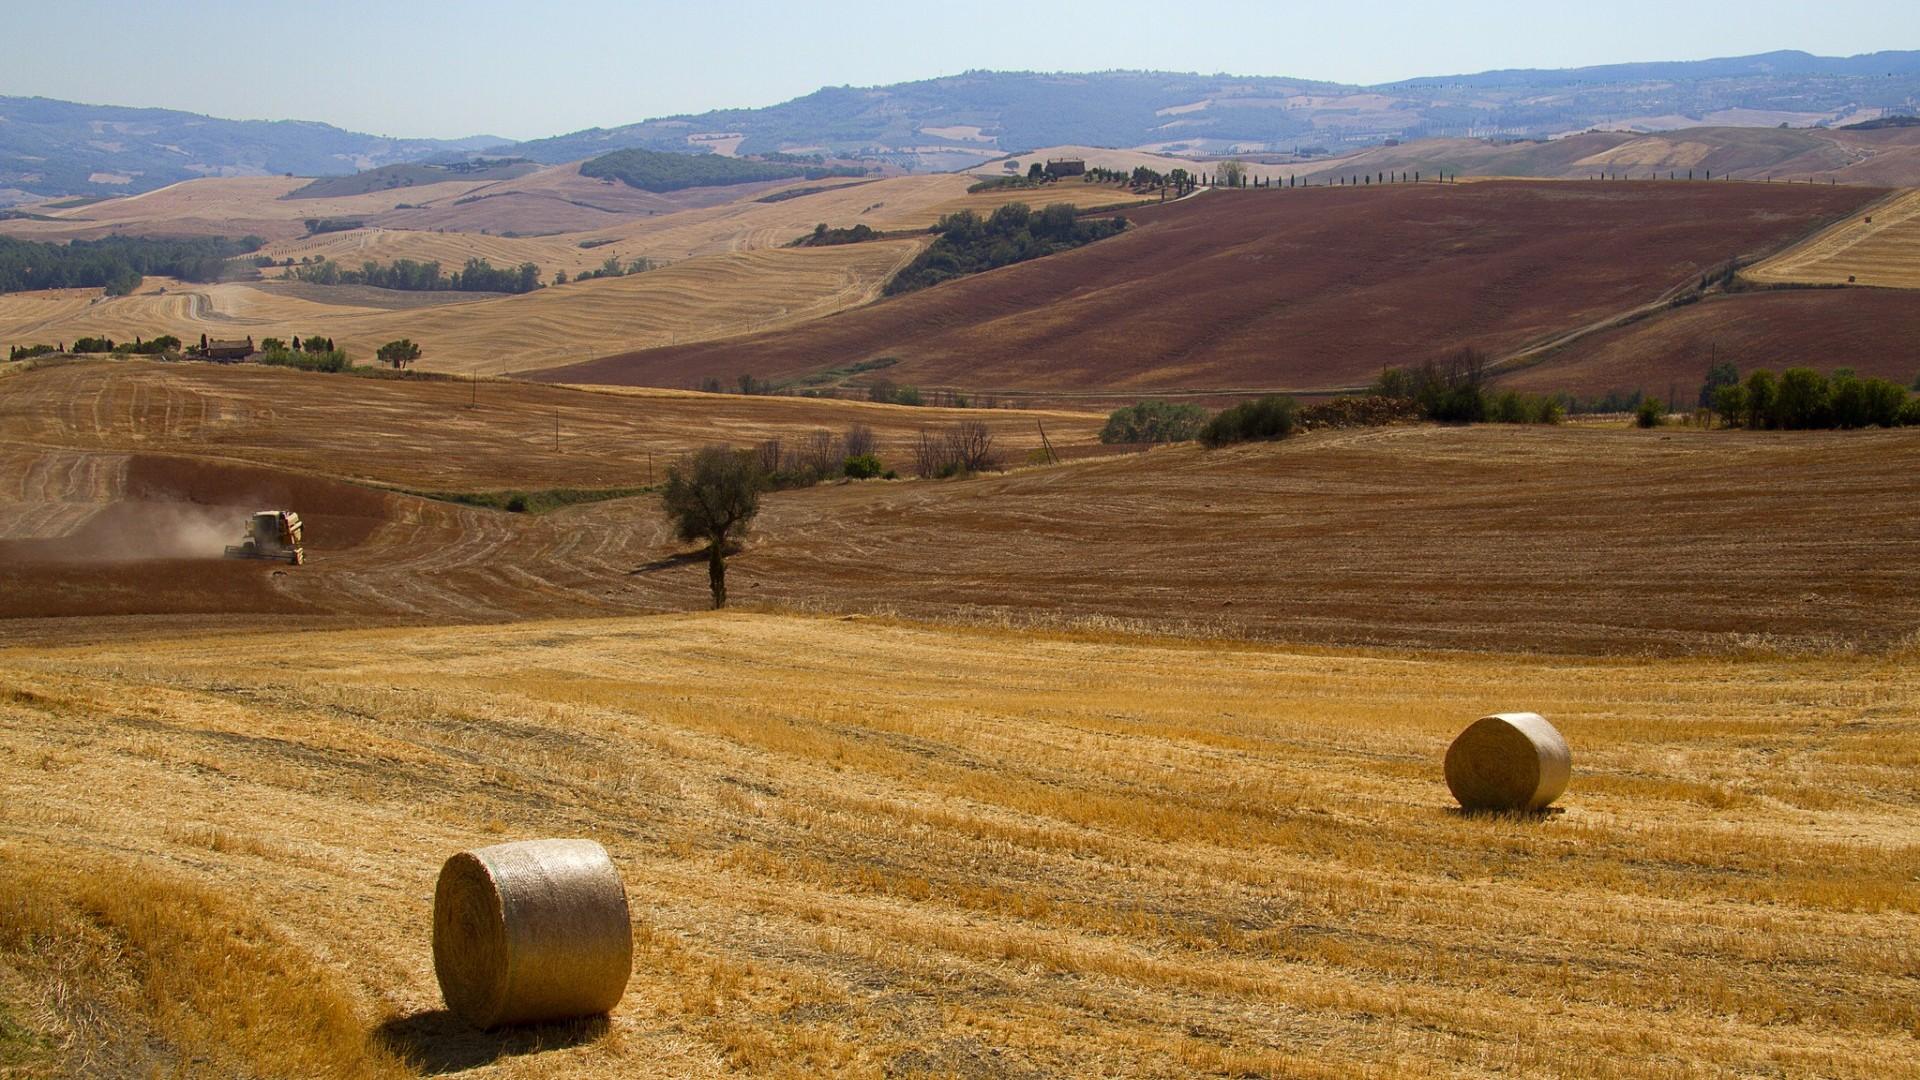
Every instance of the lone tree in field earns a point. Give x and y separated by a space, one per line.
399 353
713 497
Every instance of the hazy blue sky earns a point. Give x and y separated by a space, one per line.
529 69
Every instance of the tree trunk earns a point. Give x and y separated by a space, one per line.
717 573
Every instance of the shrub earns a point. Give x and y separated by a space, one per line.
965 448
1910 413
1804 399
93 345
1153 422
1721 374
1884 401
1761 388
1730 402
1649 414
1269 417
328 360
862 467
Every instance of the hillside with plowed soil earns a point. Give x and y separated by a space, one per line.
1285 289
1873 331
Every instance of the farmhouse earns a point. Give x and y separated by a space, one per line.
228 351
1059 167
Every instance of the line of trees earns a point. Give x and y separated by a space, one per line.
478 275
967 244
1801 398
116 263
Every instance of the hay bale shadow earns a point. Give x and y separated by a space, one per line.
436 1042
1545 813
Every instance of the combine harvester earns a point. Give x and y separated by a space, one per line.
271 534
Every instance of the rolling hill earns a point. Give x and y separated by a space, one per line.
1309 289
53 148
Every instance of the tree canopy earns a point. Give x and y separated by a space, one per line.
712 497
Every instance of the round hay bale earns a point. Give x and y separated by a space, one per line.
1508 761
531 931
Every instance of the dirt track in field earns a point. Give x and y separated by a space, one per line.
1286 289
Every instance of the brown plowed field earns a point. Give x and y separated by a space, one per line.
1293 289
1873 331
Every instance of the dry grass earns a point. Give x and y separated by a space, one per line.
859 847
122 967
425 435
1885 252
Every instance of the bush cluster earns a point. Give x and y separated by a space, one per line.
961 450
820 455
821 236
1454 391
1153 422
1270 417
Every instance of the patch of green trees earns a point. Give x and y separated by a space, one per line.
1801 398
821 236
116 263
967 244
406 275
654 170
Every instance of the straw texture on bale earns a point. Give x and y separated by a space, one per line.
530 932
1508 761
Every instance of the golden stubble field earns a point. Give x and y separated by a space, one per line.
720 296
874 848
1878 246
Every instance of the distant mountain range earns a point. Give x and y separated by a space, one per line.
50 148
964 119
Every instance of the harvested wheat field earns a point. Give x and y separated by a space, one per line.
448 435
1299 290
1879 245
865 848
1566 540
